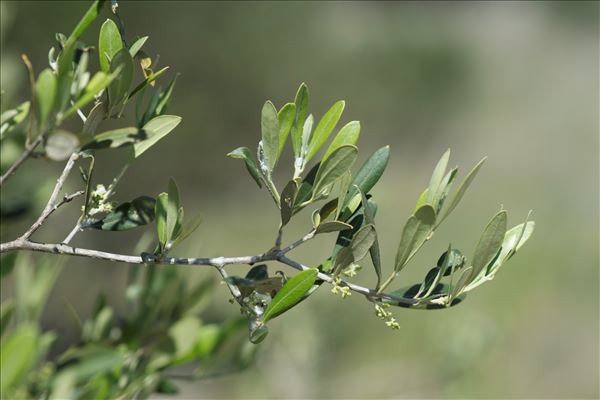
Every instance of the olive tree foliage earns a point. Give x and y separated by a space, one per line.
133 356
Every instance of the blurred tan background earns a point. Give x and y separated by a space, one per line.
518 82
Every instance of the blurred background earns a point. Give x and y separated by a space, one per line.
517 82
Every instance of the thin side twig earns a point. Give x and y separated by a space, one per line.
24 156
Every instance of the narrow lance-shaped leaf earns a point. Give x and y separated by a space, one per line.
369 173
115 138
415 233
440 196
462 189
188 228
18 355
148 81
122 65
245 154
109 43
172 209
270 134
160 213
11 118
301 102
137 45
155 129
347 135
332 226
288 196
334 167
324 128
489 244
374 250
437 176
291 293
361 242
286 120
45 95
98 83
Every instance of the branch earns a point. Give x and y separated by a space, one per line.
26 154
217 262
51 205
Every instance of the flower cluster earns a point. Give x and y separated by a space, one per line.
383 314
337 288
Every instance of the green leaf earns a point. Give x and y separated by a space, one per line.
188 228
374 250
291 293
437 176
270 134
285 117
369 173
11 118
121 65
109 43
95 116
461 283
45 95
245 154
155 129
462 189
163 99
357 250
442 192
98 83
18 355
415 233
6 311
60 145
137 45
489 244
332 226
347 135
149 79
115 138
422 199
129 215
334 167
324 128
301 102
160 212
288 197
173 206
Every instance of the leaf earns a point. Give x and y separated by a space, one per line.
442 192
461 283
155 129
489 244
121 65
45 95
462 189
60 145
188 228
270 134
109 43
12 118
415 233
437 176
245 154
369 173
347 135
129 215
98 83
306 187
374 250
137 45
288 196
357 250
17 356
332 226
95 116
285 117
6 311
115 138
148 81
324 128
334 167
160 212
163 99
422 199
172 210
291 293
301 102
